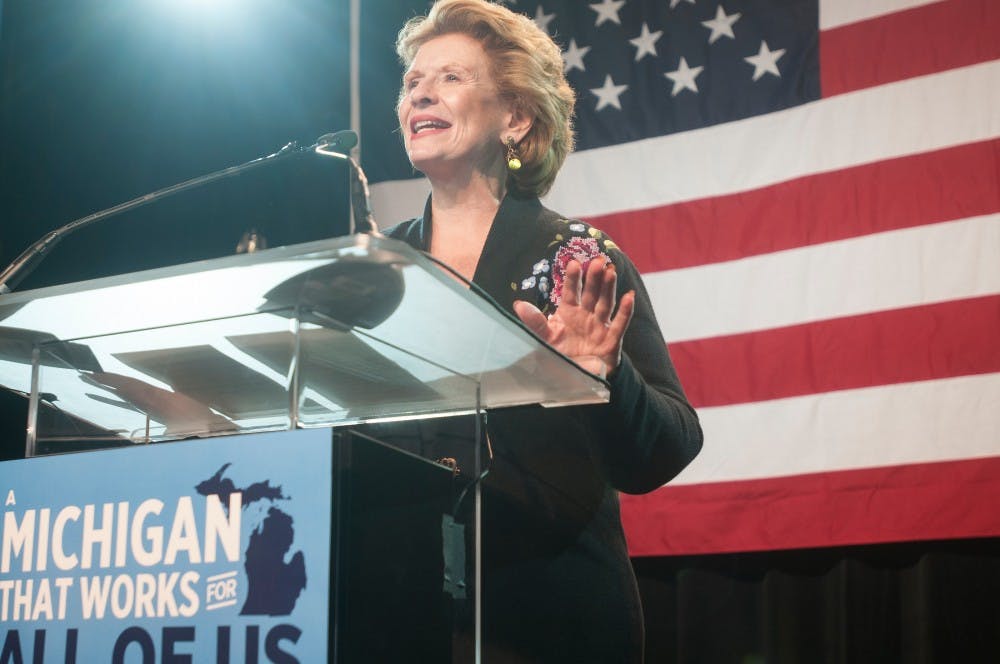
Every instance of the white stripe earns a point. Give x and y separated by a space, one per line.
908 267
904 118
908 117
939 420
835 13
396 201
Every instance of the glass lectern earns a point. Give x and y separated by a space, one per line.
327 334
322 334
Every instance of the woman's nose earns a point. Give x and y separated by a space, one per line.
422 93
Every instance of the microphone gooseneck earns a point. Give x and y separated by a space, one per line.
327 144
338 145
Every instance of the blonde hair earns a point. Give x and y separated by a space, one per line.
527 67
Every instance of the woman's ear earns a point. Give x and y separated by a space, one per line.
519 125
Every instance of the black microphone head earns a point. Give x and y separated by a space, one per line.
339 141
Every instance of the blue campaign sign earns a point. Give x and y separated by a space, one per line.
214 550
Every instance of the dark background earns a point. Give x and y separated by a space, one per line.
103 101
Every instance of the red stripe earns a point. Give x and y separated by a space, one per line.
955 338
945 500
923 40
954 183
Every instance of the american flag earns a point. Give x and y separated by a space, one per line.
811 189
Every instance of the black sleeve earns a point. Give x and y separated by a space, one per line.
648 432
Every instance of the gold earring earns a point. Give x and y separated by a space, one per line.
513 161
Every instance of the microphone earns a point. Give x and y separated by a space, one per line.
338 145
335 144
342 141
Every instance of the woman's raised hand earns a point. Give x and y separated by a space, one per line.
585 327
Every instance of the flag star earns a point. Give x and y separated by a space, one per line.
542 19
573 56
766 61
645 43
683 77
607 95
674 3
608 10
721 25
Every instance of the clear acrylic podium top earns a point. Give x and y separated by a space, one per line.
342 331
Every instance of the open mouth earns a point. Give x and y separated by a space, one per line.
418 127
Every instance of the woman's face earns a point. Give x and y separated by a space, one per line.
450 111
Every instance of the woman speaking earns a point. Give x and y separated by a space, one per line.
486 114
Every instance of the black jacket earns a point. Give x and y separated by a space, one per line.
558 582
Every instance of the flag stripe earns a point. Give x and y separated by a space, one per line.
940 111
934 420
835 13
928 39
926 188
904 118
904 268
942 340
909 502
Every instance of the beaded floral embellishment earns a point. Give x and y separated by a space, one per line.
582 250
583 245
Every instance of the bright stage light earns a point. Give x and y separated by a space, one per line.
212 17
196 7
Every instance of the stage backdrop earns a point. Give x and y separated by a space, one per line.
812 191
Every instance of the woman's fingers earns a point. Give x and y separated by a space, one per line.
572 284
605 304
591 289
533 318
588 287
619 324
